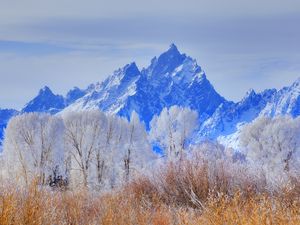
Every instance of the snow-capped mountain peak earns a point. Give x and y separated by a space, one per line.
124 75
45 101
268 103
45 91
74 94
172 78
250 93
166 62
285 101
111 93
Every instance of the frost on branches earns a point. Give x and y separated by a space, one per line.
94 150
273 145
33 147
172 129
87 149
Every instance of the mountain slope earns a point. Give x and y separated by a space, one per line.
73 95
45 101
171 79
228 116
285 101
269 103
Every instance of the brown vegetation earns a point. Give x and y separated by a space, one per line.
184 193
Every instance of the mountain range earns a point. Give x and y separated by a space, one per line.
172 78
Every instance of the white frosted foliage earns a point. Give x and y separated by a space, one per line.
273 144
33 147
172 129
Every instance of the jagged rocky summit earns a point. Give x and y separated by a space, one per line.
172 78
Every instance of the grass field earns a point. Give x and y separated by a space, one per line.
182 194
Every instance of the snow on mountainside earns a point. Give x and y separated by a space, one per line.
73 95
45 101
225 119
172 78
110 94
285 101
269 103
48 102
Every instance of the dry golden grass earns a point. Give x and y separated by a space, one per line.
39 207
179 195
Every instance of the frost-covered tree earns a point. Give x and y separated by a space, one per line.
104 149
90 148
172 129
83 142
136 150
210 151
33 147
273 143
112 141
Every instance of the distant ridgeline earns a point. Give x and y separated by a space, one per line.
172 78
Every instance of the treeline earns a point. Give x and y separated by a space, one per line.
89 148
98 151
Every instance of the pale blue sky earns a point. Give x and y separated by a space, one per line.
63 43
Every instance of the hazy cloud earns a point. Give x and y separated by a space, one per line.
240 44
